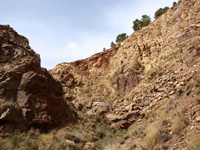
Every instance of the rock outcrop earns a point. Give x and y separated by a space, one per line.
29 96
127 77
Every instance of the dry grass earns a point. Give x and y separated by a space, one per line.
20 141
92 128
157 130
113 145
152 139
180 122
194 144
136 130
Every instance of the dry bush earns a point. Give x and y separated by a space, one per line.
20 141
152 139
113 145
180 122
136 130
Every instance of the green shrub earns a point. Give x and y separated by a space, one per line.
174 4
160 11
121 37
179 92
112 44
138 24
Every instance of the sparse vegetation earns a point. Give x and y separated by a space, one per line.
196 85
174 4
180 122
179 1
138 24
197 90
179 92
92 128
152 138
137 130
160 11
112 44
121 37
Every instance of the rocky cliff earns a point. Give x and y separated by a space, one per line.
150 79
29 96
171 40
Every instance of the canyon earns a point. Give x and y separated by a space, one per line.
143 93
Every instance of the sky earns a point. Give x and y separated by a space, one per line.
69 30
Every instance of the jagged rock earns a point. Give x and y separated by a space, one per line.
165 136
198 119
129 107
126 77
71 143
113 118
89 105
78 106
171 92
29 96
131 116
100 107
68 97
88 145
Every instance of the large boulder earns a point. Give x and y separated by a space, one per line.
29 96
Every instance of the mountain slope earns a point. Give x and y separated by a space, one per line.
151 78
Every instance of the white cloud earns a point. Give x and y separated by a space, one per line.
72 45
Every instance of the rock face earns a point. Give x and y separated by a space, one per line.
126 77
191 50
175 34
29 96
98 63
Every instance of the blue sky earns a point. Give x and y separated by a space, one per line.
68 30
